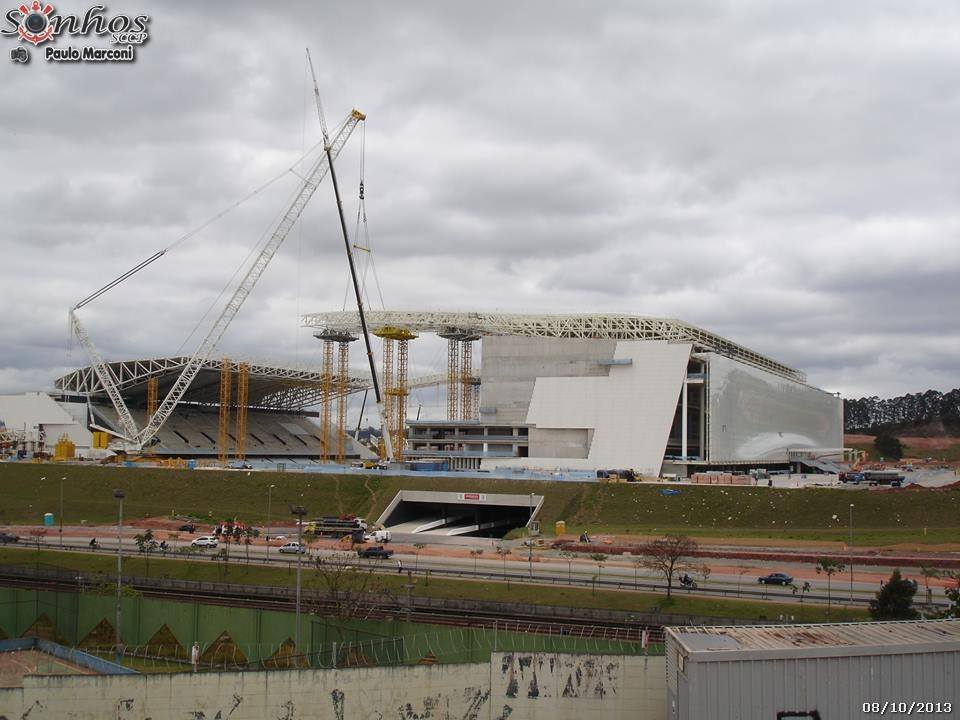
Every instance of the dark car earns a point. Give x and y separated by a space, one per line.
188 527
6 537
775 579
375 552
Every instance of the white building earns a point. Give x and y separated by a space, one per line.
588 392
40 421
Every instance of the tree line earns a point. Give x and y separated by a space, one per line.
872 414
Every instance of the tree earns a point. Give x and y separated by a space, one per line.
742 569
929 573
888 446
829 567
145 542
894 600
351 588
475 554
503 552
599 559
953 595
568 556
670 555
417 547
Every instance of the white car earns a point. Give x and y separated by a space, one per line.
206 541
293 547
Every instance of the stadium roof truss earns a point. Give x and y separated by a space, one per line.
271 386
619 327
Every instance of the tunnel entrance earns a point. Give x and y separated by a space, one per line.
436 515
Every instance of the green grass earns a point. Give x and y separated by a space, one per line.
882 518
238 572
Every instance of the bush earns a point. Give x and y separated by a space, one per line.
888 446
894 600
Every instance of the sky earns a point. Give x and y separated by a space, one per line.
783 174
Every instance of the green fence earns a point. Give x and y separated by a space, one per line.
160 633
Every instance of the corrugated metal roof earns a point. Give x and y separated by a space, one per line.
827 635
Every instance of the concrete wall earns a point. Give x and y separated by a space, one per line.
630 409
510 685
511 366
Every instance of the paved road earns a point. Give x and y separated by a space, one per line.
724 580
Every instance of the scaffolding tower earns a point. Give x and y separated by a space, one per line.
453 377
395 389
225 400
343 388
326 382
152 392
243 395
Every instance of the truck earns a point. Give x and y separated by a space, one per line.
332 526
874 477
379 536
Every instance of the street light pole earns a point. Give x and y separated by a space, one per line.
61 510
530 540
118 650
851 553
269 491
299 511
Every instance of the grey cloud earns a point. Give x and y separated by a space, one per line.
781 174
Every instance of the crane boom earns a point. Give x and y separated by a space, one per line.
310 184
107 379
353 270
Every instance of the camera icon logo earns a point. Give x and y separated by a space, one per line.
20 55
35 26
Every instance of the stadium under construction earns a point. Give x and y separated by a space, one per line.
572 392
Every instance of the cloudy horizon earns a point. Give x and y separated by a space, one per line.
779 174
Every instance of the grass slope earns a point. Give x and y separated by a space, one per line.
817 514
238 572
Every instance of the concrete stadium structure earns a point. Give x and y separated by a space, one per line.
588 392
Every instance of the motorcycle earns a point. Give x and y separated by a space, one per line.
94 545
688 582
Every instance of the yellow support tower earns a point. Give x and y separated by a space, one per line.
243 399
466 380
343 389
387 393
395 386
225 398
453 378
152 386
326 385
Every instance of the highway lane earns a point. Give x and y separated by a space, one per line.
617 573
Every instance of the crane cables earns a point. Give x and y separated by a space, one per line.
183 238
362 218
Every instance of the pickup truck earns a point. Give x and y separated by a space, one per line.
375 552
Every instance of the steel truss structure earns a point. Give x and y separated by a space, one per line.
618 327
269 386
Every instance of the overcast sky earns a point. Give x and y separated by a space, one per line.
781 173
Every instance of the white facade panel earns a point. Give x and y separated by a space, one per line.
630 410
756 415
30 411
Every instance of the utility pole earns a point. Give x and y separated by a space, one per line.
118 651
61 510
530 539
851 553
299 511
269 490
